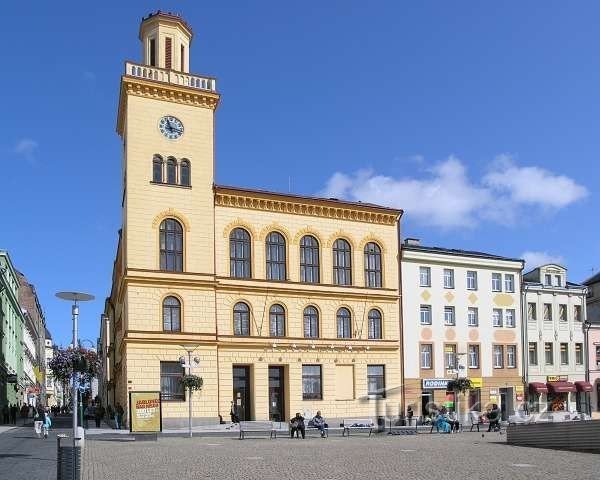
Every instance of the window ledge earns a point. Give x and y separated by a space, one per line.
165 184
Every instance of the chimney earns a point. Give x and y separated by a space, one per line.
412 241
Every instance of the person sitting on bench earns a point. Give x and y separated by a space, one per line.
297 426
494 418
319 422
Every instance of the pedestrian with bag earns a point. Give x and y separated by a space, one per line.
47 423
99 415
37 423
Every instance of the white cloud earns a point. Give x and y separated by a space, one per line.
535 259
26 147
446 197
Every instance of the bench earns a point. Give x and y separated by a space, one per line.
257 426
311 428
477 420
361 424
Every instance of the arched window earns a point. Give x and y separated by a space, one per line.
171 314
184 173
277 321
171 171
342 262
375 324
239 253
372 265
309 259
157 169
311 322
241 319
275 256
344 323
171 245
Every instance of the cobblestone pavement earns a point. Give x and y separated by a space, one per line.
466 455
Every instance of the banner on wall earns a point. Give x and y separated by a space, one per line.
145 412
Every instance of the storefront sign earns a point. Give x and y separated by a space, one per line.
519 389
557 378
435 383
145 412
477 382
493 391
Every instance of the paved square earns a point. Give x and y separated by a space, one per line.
424 456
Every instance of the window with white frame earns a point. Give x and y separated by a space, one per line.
509 282
497 317
564 353
531 312
562 313
449 318
511 356
473 317
425 276
533 354
496 282
579 354
509 317
450 356
498 356
425 314
473 356
557 281
548 280
426 354
471 280
547 312
548 353
448 278
577 313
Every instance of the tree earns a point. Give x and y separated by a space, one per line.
460 385
80 359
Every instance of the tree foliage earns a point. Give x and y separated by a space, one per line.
192 382
460 385
80 359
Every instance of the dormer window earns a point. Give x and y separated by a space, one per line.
557 281
548 280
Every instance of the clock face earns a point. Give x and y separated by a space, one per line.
171 127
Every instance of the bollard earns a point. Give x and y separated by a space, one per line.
68 460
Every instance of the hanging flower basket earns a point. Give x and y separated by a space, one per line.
460 385
192 382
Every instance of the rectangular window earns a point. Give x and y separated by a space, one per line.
376 380
171 388
426 354
182 58
473 356
533 354
531 312
496 282
511 356
498 356
577 313
471 280
311 382
547 312
548 280
509 283
450 357
497 317
597 356
509 317
562 313
425 276
579 354
548 353
564 354
425 314
152 52
449 318
168 54
473 317
558 281
448 278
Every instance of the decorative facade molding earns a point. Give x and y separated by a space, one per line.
171 213
277 228
238 222
307 231
372 238
340 234
296 206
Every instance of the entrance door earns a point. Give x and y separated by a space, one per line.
276 392
241 392
426 403
506 402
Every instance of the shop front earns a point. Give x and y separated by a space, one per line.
583 397
535 400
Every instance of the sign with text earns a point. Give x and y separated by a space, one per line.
477 382
145 412
557 378
435 383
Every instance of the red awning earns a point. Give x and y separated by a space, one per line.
538 387
561 387
584 386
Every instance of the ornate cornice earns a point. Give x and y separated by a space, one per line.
279 203
162 91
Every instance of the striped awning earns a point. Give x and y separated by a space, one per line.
538 387
561 387
583 386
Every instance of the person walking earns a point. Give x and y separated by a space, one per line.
297 426
99 415
13 414
233 413
37 423
5 414
46 424
118 416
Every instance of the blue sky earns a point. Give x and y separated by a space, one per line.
480 119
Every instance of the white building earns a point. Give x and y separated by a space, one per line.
461 314
53 389
555 310
30 364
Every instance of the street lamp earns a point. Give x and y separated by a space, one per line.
74 297
189 365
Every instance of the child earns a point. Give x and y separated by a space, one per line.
47 424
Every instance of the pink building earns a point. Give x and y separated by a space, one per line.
593 316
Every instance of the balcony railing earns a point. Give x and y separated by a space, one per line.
170 76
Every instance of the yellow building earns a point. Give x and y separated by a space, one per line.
290 303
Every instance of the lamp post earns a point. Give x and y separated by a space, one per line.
459 355
189 349
586 329
74 297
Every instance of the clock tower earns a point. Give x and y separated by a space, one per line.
166 121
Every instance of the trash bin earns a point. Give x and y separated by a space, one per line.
68 459
381 424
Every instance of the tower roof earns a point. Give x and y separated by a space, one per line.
169 16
